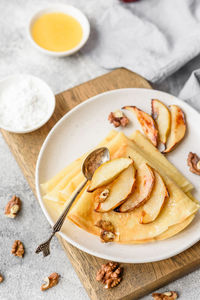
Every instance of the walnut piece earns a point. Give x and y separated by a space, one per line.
104 195
50 281
193 162
105 225
118 118
18 248
1 278
165 296
110 274
13 207
107 236
107 233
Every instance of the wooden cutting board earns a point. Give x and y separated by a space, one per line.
139 279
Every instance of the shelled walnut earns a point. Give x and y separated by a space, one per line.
193 162
18 248
107 233
1 278
118 118
13 207
104 195
165 296
110 274
50 281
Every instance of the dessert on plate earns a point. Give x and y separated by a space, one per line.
136 197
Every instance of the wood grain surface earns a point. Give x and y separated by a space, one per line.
139 279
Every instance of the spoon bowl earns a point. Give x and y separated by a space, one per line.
94 160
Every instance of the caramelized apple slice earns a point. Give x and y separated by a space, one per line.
162 117
144 184
178 128
108 171
147 123
117 191
154 205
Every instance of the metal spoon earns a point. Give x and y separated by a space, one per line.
91 163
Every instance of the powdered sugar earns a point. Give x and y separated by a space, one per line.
23 104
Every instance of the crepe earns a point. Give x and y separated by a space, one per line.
56 210
158 159
177 209
177 213
170 232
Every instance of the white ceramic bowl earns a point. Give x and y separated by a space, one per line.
69 10
43 88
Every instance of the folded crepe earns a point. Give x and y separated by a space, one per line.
178 211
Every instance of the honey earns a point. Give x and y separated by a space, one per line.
57 32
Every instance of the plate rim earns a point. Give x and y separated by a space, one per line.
39 196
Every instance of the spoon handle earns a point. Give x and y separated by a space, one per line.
57 226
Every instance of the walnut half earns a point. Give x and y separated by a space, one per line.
107 233
50 281
1 278
118 118
18 248
165 296
193 162
13 207
110 274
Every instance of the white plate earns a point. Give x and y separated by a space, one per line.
80 130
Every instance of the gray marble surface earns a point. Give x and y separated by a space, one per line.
23 277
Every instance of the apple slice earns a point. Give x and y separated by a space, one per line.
154 205
147 123
144 185
118 190
178 128
108 171
162 117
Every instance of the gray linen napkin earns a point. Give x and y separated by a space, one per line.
191 90
151 37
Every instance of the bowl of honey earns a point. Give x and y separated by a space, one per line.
59 30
